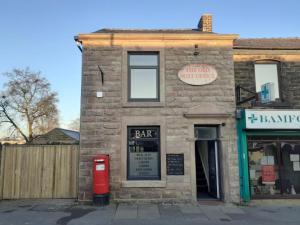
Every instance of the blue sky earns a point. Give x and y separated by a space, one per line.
39 33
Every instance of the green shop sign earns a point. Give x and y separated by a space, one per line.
272 119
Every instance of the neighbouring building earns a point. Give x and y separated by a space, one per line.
12 141
163 105
57 136
267 75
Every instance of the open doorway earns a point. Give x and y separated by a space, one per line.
207 163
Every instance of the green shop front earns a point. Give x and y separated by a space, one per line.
269 153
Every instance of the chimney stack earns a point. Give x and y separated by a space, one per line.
205 23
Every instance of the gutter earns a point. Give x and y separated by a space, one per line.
78 43
266 48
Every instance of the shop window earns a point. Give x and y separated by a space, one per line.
274 167
143 159
143 77
266 81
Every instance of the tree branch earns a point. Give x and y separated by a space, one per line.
13 123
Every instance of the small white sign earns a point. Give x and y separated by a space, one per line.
252 174
100 167
294 157
296 166
272 119
267 160
99 94
264 160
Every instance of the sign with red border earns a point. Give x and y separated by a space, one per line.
198 74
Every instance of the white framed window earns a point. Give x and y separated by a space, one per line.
266 81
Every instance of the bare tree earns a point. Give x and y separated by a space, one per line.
28 97
74 124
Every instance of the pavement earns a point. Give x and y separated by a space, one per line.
67 212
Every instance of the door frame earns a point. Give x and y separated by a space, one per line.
217 156
217 169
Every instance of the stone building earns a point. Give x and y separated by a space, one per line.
267 75
154 121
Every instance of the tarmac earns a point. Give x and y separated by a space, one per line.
68 212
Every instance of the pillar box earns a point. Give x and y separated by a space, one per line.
101 180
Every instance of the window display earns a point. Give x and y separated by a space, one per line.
273 166
143 153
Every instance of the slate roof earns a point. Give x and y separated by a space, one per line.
58 136
267 43
242 43
71 133
169 31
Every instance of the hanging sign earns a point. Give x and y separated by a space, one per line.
197 74
267 93
272 119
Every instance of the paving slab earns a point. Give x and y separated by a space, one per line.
126 211
189 208
171 211
149 211
232 209
215 213
99 216
23 216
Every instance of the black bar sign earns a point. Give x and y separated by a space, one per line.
175 164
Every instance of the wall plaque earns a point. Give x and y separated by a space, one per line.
175 164
197 74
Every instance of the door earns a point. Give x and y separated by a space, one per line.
213 165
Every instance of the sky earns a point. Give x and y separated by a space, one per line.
39 33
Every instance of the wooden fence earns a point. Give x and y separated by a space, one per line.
39 171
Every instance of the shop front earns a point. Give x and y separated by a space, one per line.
269 151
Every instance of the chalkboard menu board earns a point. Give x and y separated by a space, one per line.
175 164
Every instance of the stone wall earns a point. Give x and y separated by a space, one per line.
103 119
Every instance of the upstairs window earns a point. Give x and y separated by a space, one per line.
266 81
143 77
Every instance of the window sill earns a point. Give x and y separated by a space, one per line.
143 104
273 104
144 183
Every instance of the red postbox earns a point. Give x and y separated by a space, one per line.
101 180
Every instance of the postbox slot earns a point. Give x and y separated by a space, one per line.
99 160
